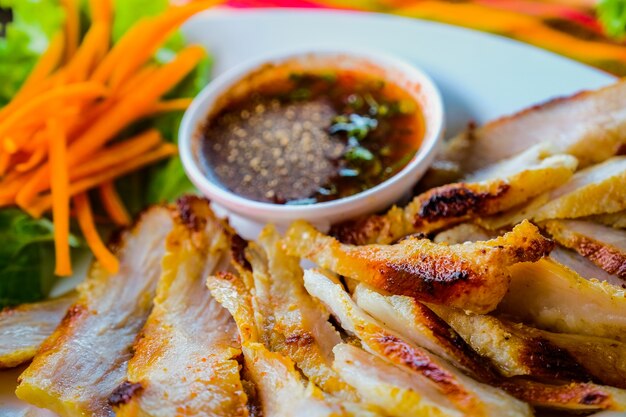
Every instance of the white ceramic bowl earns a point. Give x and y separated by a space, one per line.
405 75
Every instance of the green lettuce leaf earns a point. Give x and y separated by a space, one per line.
26 257
612 16
34 23
128 12
27 249
168 179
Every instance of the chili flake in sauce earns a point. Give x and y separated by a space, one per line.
312 137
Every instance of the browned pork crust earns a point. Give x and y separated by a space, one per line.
186 355
602 245
84 360
469 276
589 125
494 190
24 328
572 397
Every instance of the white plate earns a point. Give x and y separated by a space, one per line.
481 76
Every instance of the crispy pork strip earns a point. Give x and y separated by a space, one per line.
589 125
271 371
485 193
468 232
392 388
295 324
598 189
615 220
280 388
469 276
514 348
85 359
517 350
573 397
185 360
553 297
24 328
583 266
420 325
465 232
468 395
604 246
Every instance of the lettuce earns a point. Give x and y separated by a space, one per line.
127 12
27 249
27 36
167 180
26 257
612 16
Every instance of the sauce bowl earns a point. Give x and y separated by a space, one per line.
406 76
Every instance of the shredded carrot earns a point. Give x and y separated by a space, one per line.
139 79
179 104
113 204
156 32
11 183
119 52
33 160
60 197
72 27
23 96
5 159
101 10
39 181
85 220
118 154
135 105
9 145
82 63
43 203
111 122
82 91
46 64
22 133
56 134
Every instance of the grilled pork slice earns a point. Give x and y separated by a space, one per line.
551 296
466 394
485 193
588 125
280 388
393 389
615 220
583 266
85 359
24 328
468 232
186 357
294 324
283 391
514 348
465 232
420 325
572 397
517 350
596 190
470 276
604 246
575 396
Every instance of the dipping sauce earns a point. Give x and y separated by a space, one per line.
303 137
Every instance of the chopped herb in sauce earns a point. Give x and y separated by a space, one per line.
312 137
